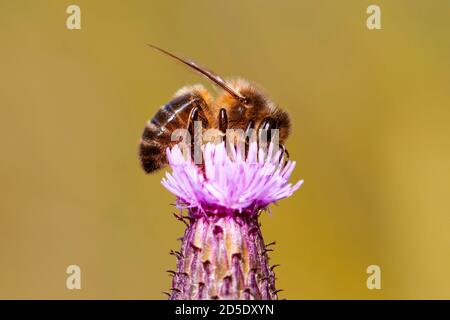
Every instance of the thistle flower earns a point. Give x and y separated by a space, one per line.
223 254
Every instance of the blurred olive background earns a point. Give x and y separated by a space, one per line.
371 118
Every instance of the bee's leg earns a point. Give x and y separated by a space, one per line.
248 134
223 120
266 127
283 152
193 117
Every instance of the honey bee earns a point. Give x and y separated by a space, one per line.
241 105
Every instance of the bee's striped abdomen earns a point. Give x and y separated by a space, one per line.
158 131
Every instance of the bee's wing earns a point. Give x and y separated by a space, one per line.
205 72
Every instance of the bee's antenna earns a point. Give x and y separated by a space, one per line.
208 74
